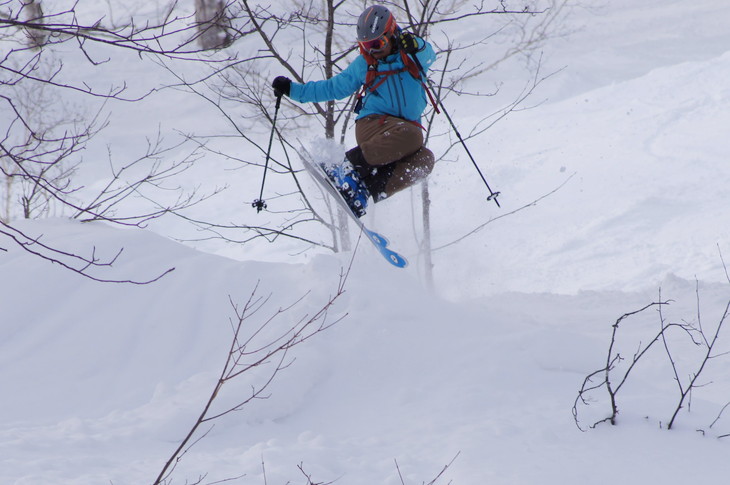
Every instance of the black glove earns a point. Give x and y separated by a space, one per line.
408 43
281 85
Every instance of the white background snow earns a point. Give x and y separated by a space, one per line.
100 382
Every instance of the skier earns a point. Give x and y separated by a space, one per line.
390 155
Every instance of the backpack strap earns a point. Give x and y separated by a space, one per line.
416 73
372 82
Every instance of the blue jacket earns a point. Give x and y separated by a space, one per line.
400 95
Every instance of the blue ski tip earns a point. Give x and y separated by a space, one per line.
395 259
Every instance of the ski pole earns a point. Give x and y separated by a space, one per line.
492 195
260 203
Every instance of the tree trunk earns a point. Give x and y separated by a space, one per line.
427 260
34 14
329 126
213 24
5 216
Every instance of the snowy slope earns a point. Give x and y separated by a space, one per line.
99 382
643 163
637 152
105 379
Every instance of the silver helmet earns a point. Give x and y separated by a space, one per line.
375 22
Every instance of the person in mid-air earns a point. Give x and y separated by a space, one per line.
390 154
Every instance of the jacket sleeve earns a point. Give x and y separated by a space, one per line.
339 86
426 55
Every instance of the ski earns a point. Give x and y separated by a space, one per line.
317 171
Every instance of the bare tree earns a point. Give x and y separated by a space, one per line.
314 26
433 480
246 85
41 145
264 344
614 375
614 357
708 344
261 345
41 139
85 263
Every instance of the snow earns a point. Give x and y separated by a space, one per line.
101 381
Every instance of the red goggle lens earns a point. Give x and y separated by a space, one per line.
375 45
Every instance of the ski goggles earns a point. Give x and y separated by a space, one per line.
376 45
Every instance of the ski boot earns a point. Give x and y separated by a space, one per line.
351 186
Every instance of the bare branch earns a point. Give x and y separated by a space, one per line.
253 348
71 261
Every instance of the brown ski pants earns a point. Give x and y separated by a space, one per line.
393 152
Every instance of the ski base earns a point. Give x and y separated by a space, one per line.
317 171
381 244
